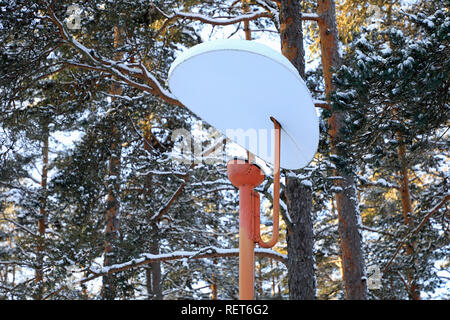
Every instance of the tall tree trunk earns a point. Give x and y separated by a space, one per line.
405 194
291 34
413 289
39 272
300 240
213 287
273 279
153 270
259 280
247 31
353 263
109 290
109 286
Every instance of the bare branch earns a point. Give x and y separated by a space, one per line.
169 203
180 189
21 227
430 213
415 230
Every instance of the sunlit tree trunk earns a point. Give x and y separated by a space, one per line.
109 286
413 288
248 32
153 270
213 287
353 263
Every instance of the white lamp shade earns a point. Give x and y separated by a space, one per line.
237 85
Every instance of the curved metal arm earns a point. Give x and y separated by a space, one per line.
276 191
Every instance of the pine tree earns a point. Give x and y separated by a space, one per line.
352 255
396 127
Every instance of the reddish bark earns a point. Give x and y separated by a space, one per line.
300 239
412 286
153 270
353 264
248 32
291 34
39 272
112 203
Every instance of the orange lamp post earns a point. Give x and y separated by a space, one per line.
246 176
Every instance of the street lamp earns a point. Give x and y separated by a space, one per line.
254 96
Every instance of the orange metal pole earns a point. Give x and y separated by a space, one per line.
276 191
246 244
246 176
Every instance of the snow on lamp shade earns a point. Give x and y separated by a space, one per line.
237 85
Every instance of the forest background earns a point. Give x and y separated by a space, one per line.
93 205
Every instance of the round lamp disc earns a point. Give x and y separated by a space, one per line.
237 85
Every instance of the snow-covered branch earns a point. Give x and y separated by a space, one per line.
209 20
321 104
163 173
220 21
180 189
431 212
310 16
364 182
377 231
123 97
208 252
169 203
128 73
